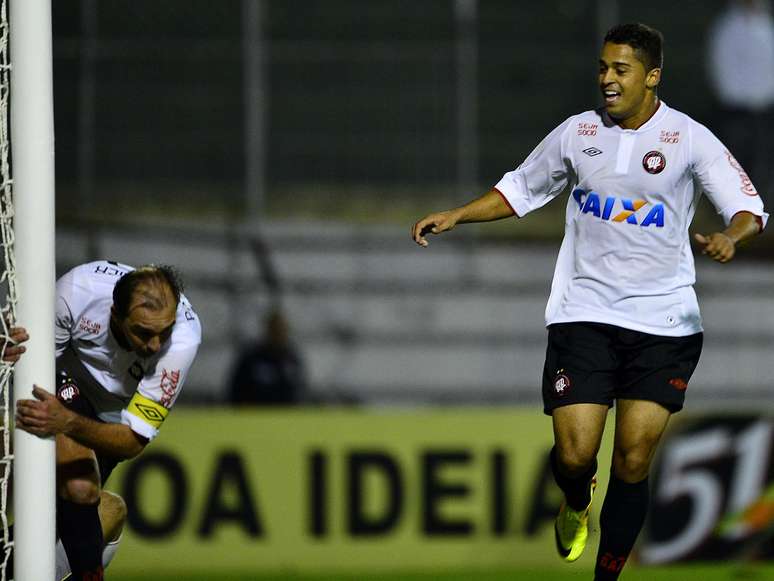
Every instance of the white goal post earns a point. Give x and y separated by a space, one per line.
32 166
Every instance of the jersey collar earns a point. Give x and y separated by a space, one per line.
654 120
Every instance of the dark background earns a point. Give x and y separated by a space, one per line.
360 98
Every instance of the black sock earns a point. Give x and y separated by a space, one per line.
81 534
576 490
621 520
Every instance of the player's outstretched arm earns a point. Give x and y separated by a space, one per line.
721 246
46 416
490 206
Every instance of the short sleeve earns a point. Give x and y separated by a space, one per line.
158 392
543 175
159 388
63 311
722 177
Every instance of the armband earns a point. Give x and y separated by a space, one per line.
147 410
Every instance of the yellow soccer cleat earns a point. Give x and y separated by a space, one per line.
572 529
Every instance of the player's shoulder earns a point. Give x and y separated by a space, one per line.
591 119
699 135
592 116
188 327
676 117
91 281
585 123
99 272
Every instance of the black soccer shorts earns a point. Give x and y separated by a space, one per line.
599 363
71 377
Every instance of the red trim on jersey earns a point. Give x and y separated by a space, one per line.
618 123
757 218
502 195
658 106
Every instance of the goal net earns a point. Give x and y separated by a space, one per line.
7 283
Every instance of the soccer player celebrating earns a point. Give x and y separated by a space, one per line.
623 320
125 341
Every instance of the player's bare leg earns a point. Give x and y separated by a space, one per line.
78 495
578 430
639 426
638 429
578 433
112 515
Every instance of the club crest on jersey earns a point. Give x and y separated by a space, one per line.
654 162
625 209
68 391
561 384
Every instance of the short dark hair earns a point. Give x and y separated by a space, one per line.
647 42
151 273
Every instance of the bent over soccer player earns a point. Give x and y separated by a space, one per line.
623 321
125 341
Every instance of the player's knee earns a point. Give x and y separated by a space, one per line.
120 508
575 460
112 514
632 464
80 491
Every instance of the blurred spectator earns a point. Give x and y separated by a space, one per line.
741 70
269 372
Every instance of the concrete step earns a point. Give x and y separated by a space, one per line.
475 373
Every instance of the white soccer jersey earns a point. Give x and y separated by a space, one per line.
136 391
626 256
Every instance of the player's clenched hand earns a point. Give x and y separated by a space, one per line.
433 224
43 416
717 246
12 344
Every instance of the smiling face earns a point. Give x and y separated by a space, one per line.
149 322
628 89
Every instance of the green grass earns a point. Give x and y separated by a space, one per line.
682 573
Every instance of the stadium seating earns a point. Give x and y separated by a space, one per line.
380 320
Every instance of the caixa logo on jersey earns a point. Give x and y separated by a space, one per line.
619 209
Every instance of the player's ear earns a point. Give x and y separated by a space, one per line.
653 78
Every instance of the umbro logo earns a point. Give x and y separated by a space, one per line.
592 151
151 413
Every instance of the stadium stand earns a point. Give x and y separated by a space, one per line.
381 321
